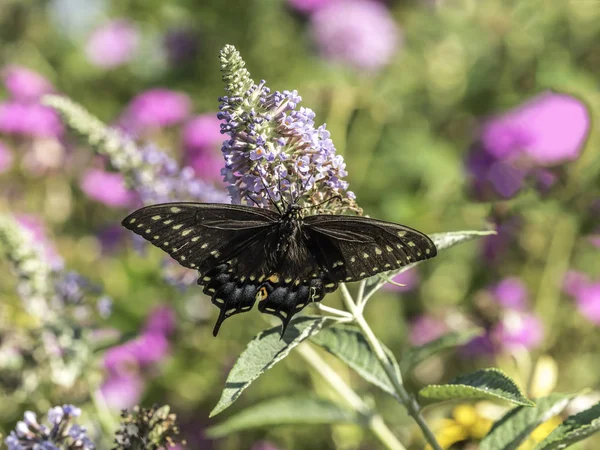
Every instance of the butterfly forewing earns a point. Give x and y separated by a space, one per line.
355 248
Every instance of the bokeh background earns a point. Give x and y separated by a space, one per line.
455 114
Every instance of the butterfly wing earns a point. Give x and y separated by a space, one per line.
352 248
225 243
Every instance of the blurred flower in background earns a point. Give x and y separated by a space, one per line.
181 45
468 423
585 293
358 33
510 293
309 6
202 140
547 130
426 328
409 278
108 188
155 108
127 364
112 44
25 85
518 330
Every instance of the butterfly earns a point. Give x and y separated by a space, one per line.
281 259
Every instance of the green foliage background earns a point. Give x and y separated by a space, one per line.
404 133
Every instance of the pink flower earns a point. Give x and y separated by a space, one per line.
511 293
39 235
32 120
202 141
6 158
107 187
574 282
549 129
161 321
410 278
25 85
113 44
425 328
308 6
122 391
588 302
360 33
155 108
518 330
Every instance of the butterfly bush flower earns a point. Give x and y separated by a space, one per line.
59 432
155 108
545 131
112 44
359 33
148 428
153 175
274 150
107 187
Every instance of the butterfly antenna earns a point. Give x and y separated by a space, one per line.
330 199
280 191
262 180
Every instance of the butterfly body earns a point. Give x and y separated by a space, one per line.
282 260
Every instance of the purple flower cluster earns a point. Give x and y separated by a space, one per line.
154 176
112 44
22 114
274 152
60 432
202 139
521 144
126 363
585 293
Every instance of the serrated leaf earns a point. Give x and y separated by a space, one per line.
415 355
489 384
515 427
262 353
348 344
574 429
442 241
297 410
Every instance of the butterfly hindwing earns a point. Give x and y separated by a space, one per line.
355 247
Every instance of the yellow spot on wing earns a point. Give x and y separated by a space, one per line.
175 209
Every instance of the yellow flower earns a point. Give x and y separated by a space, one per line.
466 424
540 433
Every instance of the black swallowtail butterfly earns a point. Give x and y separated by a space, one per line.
284 261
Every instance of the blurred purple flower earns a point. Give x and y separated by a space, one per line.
202 140
112 44
32 120
308 6
25 85
517 329
111 237
511 293
107 187
38 232
155 108
410 278
122 391
588 302
574 282
544 131
549 129
478 346
6 158
360 33
593 238
495 246
426 328
161 321
181 46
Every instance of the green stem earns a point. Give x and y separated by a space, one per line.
394 375
375 421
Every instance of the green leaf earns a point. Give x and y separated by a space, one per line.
297 410
262 353
574 429
348 344
415 355
488 384
442 241
515 427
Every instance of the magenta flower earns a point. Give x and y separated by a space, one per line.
359 33
426 328
511 293
113 44
155 108
410 278
202 141
161 321
593 238
33 120
574 282
122 391
588 302
107 187
518 330
6 158
25 85
309 6
549 129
